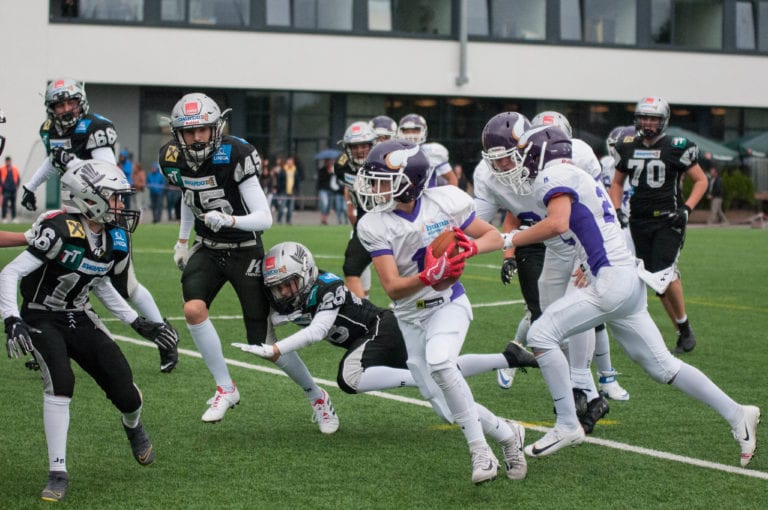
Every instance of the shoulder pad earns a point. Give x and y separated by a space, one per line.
679 142
342 159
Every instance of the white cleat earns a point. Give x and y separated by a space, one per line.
609 388
746 433
505 377
554 440
485 465
514 458
220 404
324 414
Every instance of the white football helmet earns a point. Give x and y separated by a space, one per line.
552 118
60 90
93 184
357 134
193 111
289 273
652 107
412 121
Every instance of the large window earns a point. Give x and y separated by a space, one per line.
229 13
762 24
430 17
310 14
112 10
688 23
598 21
507 19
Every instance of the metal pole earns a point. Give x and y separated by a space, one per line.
462 78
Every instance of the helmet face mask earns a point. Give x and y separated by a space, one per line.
651 117
552 118
99 190
195 111
60 91
359 139
412 128
395 171
501 153
289 272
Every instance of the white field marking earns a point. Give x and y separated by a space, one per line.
418 402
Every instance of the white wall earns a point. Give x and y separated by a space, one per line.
236 59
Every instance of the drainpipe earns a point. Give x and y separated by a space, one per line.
462 78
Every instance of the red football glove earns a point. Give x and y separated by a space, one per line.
468 246
437 269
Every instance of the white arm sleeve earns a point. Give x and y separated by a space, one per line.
316 331
42 174
260 216
485 210
19 267
187 221
114 301
104 154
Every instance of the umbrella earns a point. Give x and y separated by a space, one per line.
708 149
328 154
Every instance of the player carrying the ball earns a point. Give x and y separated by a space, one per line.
403 220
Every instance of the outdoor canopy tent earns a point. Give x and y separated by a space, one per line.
752 145
708 149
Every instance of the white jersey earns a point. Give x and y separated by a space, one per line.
598 233
438 157
584 157
407 236
608 165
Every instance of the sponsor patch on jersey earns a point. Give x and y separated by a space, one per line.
223 155
426 304
434 229
76 229
328 278
679 142
199 182
92 267
64 143
82 126
119 239
647 154
172 154
172 174
71 256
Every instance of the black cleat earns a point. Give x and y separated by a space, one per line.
141 446
686 341
56 488
518 357
580 399
169 358
32 364
596 409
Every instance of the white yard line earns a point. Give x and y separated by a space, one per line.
413 401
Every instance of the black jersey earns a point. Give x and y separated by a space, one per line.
214 185
91 132
356 316
655 173
346 174
73 263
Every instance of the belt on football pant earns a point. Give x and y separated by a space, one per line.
220 245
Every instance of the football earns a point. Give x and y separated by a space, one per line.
445 242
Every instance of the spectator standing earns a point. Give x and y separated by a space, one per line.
325 176
339 202
715 195
287 188
9 177
173 202
156 185
274 173
140 185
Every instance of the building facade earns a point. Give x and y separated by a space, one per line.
297 72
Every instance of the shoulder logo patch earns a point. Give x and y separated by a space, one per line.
172 154
76 229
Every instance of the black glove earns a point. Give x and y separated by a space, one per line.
508 270
679 218
60 157
28 199
623 219
159 332
19 342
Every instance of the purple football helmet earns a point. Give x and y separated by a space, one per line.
384 127
500 137
616 134
541 145
651 107
395 171
412 121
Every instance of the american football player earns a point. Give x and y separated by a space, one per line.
402 220
359 139
413 128
655 165
375 357
223 199
69 255
71 134
615 295
385 127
